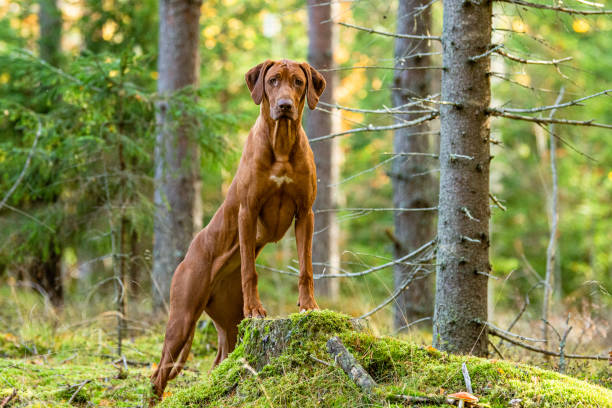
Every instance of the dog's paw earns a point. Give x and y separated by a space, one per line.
307 305
256 310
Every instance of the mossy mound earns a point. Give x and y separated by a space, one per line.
285 363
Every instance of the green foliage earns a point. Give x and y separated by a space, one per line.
295 379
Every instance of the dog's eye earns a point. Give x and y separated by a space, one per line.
273 81
299 82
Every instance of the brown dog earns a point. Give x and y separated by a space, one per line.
275 183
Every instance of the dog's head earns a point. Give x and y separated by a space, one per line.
285 85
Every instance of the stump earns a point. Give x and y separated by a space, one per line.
265 339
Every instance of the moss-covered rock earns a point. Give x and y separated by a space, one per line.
285 363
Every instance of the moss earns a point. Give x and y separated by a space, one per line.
291 377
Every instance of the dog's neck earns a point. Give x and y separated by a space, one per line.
282 135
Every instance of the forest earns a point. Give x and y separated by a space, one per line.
461 232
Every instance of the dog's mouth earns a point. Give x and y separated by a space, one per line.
278 114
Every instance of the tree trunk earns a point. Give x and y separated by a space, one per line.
175 147
48 274
463 219
319 123
49 271
413 186
50 21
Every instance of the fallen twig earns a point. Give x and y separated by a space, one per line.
410 399
8 399
80 386
350 365
466 378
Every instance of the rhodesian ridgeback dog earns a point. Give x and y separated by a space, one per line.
275 184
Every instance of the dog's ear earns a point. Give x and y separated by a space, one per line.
316 84
255 80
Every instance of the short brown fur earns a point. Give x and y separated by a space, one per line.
275 183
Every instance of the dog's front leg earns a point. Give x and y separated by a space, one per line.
304 227
247 231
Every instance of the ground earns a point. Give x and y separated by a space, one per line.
278 363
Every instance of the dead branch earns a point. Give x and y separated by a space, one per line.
484 54
412 324
350 365
8 399
79 387
575 102
410 399
552 242
388 34
363 209
403 260
542 351
528 61
409 279
379 67
496 112
435 156
556 8
25 167
499 353
386 111
372 128
466 378
491 326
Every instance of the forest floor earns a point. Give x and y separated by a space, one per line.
76 364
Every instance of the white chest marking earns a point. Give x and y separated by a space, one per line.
280 180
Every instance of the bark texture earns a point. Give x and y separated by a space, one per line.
50 20
319 123
413 186
265 339
175 147
463 219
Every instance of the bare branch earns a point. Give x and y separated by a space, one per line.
539 350
492 50
492 327
496 112
556 8
386 111
379 67
575 102
435 156
373 209
372 128
385 33
412 324
409 279
554 214
403 260
528 61
25 167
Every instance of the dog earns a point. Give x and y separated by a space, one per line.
275 183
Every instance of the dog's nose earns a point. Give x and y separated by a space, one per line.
285 104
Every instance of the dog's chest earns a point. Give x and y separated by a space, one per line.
281 174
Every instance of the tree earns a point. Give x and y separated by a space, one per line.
320 123
46 267
175 147
50 20
463 209
413 184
